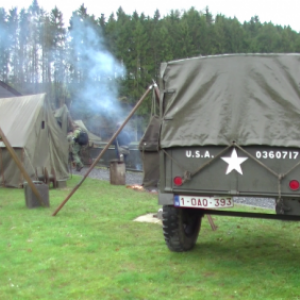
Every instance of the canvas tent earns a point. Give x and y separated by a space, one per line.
37 139
63 118
149 149
148 146
7 91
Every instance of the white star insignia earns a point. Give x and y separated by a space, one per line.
234 162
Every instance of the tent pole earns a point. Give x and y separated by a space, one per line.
20 166
103 151
156 91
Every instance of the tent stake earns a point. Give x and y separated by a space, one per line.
20 166
211 222
103 151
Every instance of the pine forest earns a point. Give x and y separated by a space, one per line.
92 63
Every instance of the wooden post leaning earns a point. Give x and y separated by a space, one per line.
20 166
103 151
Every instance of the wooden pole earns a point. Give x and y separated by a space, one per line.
103 151
211 222
156 92
20 166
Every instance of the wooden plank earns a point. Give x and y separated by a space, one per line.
20 166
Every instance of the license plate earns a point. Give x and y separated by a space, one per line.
203 202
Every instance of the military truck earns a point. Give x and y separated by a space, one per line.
230 127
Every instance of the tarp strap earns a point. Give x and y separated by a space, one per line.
278 176
279 200
256 160
187 175
210 161
174 161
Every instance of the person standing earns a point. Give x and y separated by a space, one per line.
75 147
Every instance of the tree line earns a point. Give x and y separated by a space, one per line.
39 53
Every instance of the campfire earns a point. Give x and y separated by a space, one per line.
136 187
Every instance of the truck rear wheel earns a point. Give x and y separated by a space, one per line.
181 227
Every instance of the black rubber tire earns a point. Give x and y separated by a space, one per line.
288 206
181 227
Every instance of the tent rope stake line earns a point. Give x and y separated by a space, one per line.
104 149
20 166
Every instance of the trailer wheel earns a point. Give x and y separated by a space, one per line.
181 227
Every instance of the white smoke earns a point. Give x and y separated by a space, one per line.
99 69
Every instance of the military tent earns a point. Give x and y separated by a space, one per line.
37 139
7 91
149 149
63 118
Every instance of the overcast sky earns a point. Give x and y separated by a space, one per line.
277 11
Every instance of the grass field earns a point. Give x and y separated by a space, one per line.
92 249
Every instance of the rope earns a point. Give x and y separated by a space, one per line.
187 174
256 160
175 162
279 200
210 161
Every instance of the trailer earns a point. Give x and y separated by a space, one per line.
229 127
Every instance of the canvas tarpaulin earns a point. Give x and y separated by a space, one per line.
150 139
37 139
149 146
252 99
63 118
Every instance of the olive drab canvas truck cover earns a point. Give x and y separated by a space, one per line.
230 125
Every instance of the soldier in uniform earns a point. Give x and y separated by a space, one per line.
74 147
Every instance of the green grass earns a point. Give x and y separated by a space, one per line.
93 250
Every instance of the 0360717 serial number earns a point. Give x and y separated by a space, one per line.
202 202
277 154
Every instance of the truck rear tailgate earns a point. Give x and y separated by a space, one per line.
238 171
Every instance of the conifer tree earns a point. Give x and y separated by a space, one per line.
13 46
4 45
24 53
58 50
